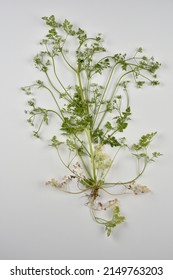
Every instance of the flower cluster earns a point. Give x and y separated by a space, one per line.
54 183
102 159
138 188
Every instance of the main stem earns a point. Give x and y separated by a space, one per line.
88 132
92 155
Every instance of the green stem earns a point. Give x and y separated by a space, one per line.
88 132
54 69
40 125
104 93
85 167
82 191
52 83
87 90
127 182
65 59
80 156
82 144
87 39
68 167
80 85
115 194
103 178
53 96
113 93
53 111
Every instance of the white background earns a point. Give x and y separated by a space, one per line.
38 222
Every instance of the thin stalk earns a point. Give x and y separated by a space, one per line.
92 154
82 191
88 133
85 167
80 85
54 69
103 178
113 132
71 160
53 96
113 93
81 158
87 39
40 125
68 62
67 166
52 83
53 111
128 182
82 144
127 97
104 92
138 164
108 56
87 90
115 194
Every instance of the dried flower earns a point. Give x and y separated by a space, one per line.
102 159
138 188
53 183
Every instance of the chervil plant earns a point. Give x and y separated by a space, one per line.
92 113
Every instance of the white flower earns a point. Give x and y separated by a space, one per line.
102 159
138 188
52 182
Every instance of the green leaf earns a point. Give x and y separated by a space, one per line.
68 27
36 134
51 21
140 50
144 141
81 35
111 140
71 145
108 126
116 219
122 120
156 154
55 142
27 90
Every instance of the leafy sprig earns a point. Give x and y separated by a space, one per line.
92 115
